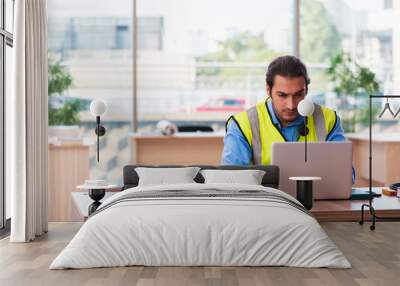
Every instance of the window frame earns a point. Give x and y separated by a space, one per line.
6 39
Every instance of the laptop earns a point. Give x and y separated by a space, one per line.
332 161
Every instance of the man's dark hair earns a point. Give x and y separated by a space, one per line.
286 66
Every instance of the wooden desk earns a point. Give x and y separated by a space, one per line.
349 210
68 167
385 158
186 148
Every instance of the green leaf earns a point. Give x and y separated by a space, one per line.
59 80
351 79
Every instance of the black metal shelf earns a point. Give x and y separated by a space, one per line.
371 198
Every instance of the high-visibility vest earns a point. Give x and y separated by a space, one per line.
260 132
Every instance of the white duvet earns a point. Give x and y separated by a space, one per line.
200 231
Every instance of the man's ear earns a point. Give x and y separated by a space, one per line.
269 91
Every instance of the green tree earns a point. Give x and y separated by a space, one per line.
350 79
319 42
320 39
241 47
60 80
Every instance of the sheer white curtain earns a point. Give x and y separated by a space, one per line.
28 122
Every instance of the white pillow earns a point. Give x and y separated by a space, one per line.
164 176
248 177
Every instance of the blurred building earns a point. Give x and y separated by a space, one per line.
372 37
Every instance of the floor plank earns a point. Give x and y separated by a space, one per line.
375 257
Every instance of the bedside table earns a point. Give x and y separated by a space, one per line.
96 193
304 190
81 202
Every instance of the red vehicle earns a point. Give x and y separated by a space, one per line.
223 104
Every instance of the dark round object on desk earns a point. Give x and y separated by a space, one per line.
305 193
100 130
97 194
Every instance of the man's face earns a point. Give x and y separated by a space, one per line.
286 94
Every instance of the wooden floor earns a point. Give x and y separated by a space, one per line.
374 255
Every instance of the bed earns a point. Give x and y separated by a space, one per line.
201 224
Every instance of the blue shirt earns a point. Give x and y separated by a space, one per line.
238 152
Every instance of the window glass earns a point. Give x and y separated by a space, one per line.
368 33
9 15
201 61
91 42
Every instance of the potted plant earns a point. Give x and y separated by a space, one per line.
352 83
63 111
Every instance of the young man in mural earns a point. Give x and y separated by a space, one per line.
250 134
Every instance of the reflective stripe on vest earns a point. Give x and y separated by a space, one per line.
255 131
257 118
